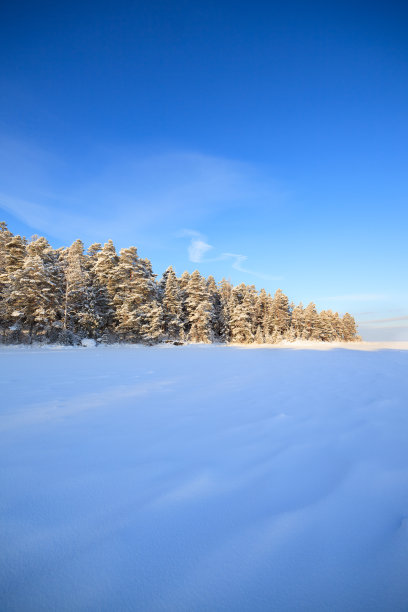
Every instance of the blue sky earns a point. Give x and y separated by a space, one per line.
265 142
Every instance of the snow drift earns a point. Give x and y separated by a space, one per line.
203 478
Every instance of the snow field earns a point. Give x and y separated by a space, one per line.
203 478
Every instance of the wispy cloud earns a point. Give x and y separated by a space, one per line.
44 218
384 333
356 297
123 195
389 320
198 247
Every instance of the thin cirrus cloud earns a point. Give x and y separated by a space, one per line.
396 333
356 297
124 195
40 217
198 247
388 320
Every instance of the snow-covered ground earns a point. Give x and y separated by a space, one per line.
203 478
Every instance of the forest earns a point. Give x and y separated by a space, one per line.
66 295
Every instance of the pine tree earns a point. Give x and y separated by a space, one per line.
136 300
5 237
269 320
161 285
59 294
311 330
80 311
259 337
226 306
260 313
153 330
349 328
15 253
279 316
105 266
241 321
290 335
172 305
100 270
337 325
198 306
327 333
298 321
35 292
183 284
93 251
215 301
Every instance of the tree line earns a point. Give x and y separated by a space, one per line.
65 295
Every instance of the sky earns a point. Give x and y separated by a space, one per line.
263 142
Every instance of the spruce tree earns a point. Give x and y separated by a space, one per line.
46 293
183 284
35 293
240 320
260 313
279 317
259 336
80 311
337 325
106 261
5 237
327 333
349 328
311 330
172 305
103 263
15 250
226 306
215 301
198 307
99 277
298 321
138 314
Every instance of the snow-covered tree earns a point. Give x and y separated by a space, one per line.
311 330
241 318
198 307
65 294
15 250
106 261
102 264
326 331
100 270
298 321
135 299
5 237
337 325
260 313
80 296
172 305
259 336
226 306
36 290
279 315
183 284
349 328
215 301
